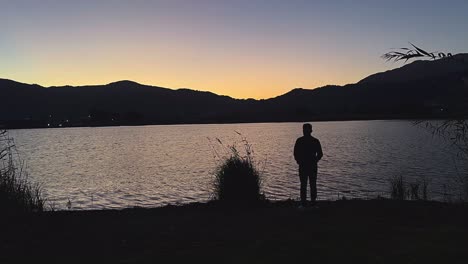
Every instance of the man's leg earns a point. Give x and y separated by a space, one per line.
303 177
313 185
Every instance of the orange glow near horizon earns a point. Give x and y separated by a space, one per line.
242 87
257 76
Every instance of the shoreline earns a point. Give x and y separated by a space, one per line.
364 231
409 118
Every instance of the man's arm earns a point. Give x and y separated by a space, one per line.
319 151
296 151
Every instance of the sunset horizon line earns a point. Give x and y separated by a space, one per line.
170 88
144 83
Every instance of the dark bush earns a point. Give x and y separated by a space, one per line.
237 180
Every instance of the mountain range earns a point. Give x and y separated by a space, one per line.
421 89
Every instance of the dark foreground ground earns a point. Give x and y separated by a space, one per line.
377 231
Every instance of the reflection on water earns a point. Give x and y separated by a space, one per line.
116 167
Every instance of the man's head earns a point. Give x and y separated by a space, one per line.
307 129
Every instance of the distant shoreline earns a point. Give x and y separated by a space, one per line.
408 118
418 90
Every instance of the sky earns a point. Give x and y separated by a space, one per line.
242 48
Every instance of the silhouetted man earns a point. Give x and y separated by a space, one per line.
307 152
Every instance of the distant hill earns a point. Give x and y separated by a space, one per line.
420 89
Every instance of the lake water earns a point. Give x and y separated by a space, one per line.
148 166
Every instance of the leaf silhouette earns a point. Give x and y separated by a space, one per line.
421 50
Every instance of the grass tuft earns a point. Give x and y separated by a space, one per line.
398 190
17 193
237 179
401 190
